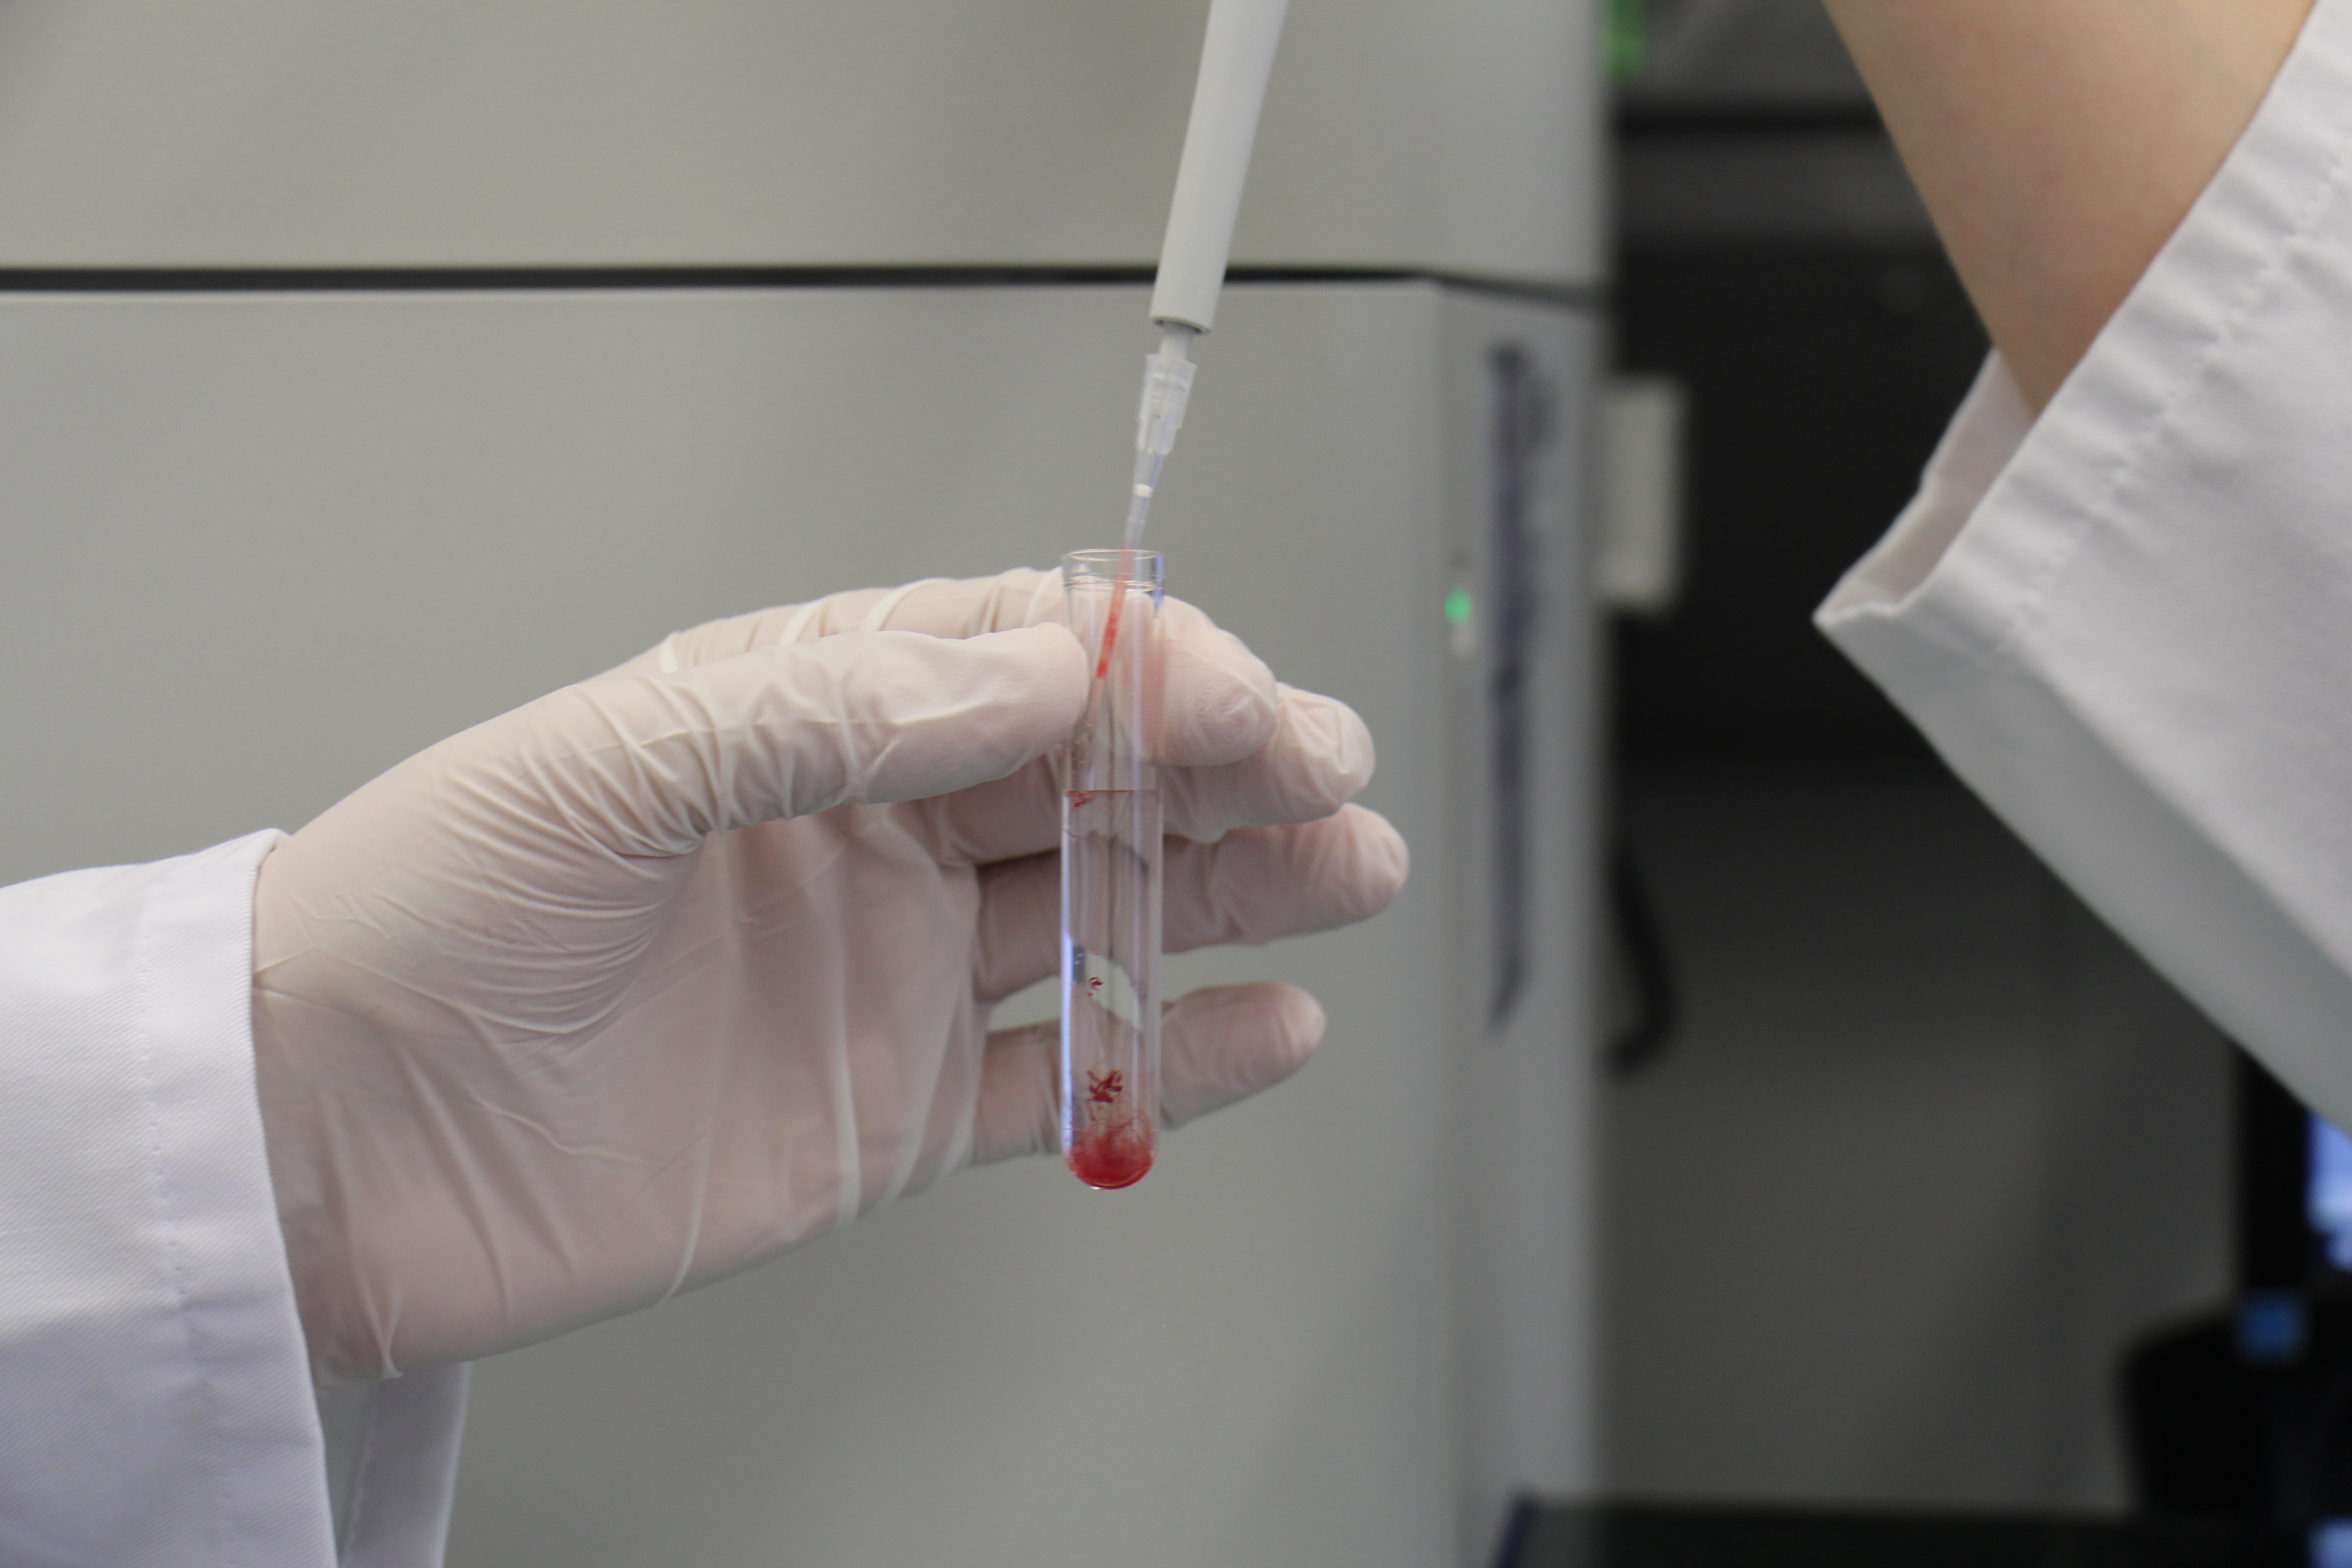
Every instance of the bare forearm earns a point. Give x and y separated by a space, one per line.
2059 142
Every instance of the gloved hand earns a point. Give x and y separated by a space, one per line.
648 980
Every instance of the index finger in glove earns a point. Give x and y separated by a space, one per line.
936 606
1218 701
653 764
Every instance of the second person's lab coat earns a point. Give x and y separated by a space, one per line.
2128 624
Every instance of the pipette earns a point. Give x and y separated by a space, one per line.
1236 59
1110 805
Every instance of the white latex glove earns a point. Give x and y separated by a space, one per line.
646 981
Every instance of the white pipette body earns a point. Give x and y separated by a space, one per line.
1236 59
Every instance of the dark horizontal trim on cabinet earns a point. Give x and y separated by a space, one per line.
493 279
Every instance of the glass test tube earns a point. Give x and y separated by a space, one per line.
1110 875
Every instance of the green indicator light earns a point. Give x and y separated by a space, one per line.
1627 45
1457 607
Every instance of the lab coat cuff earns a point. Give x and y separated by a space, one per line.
2120 622
2008 503
155 1400
155 1408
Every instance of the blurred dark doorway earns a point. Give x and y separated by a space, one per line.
1926 1148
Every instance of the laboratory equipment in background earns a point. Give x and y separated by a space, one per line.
2245 1412
435 355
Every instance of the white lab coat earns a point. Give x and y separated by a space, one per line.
2128 624
155 1403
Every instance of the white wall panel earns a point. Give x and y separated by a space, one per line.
1452 134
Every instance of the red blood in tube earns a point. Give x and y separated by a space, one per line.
1117 603
1112 1154
1110 636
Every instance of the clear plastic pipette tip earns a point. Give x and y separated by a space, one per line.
1138 500
1167 385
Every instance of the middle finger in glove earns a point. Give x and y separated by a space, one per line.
1255 885
1319 757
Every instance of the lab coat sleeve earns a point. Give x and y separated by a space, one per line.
155 1406
2128 624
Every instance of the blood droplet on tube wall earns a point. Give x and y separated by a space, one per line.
1110 878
